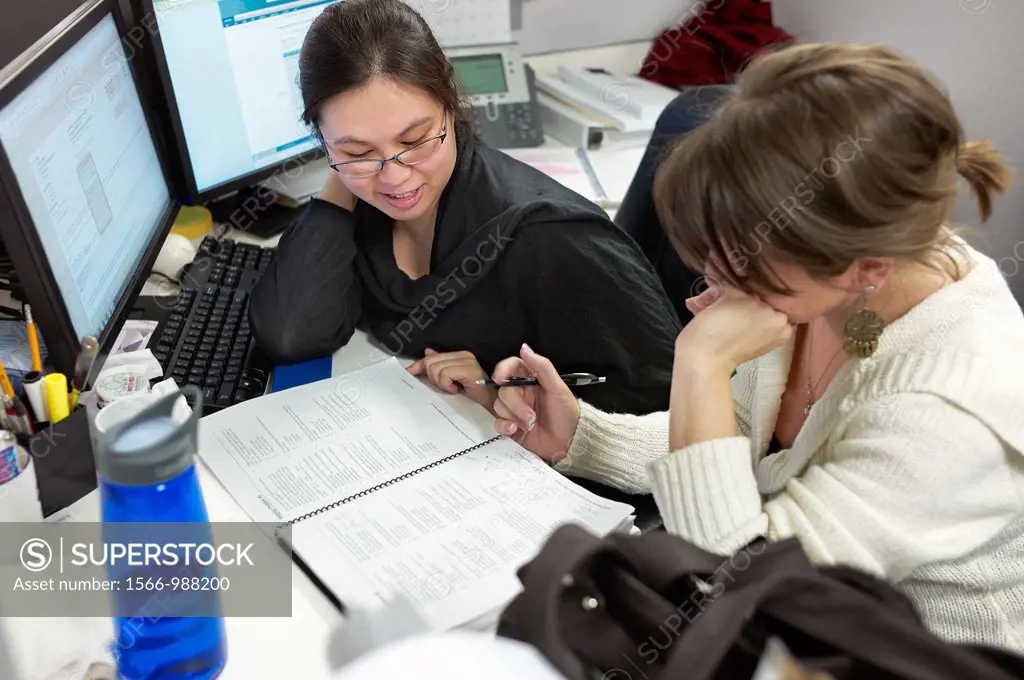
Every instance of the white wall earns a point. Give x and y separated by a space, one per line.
555 25
975 47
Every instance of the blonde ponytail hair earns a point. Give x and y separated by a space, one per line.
986 172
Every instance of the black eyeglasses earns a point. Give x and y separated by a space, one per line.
422 151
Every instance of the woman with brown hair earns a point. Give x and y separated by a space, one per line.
854 376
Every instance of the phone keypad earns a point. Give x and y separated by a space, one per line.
522 128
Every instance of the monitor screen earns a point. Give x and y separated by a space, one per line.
481 74
233 67
79 145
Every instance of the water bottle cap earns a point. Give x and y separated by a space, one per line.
151 446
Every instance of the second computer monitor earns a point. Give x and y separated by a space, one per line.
229 69
88 198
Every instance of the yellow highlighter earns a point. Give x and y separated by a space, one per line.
55 386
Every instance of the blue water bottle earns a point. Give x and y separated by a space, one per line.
146 473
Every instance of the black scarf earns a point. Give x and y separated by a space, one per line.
475 224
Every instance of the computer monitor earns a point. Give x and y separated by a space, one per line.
86 199
229 70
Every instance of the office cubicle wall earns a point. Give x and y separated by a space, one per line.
974 46
558 25
22 22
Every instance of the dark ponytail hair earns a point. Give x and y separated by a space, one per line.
354 41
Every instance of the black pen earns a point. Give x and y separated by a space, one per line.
570 379
83 364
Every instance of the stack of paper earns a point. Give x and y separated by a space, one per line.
388 492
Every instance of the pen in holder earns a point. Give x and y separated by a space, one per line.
33 384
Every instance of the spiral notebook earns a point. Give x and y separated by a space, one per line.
389 492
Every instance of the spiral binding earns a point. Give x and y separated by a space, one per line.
388 483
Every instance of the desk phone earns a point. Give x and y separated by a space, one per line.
501 88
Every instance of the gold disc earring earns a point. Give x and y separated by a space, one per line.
860 336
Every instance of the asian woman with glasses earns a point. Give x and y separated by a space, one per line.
444 249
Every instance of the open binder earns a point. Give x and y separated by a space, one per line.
386 491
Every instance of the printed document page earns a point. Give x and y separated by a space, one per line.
570 166
450 539
292 452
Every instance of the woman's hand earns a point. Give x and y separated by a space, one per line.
730 329
541 418
334 191
454 371
698 303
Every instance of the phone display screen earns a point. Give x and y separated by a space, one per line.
481 74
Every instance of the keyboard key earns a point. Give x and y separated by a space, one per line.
209 395
225 394
243 395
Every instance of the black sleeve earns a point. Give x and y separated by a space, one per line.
306 303
597 307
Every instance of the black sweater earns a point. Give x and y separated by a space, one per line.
516 258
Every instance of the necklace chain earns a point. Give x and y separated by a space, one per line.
810 389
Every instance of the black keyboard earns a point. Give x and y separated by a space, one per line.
206 340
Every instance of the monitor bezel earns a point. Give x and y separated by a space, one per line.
194 195
18 228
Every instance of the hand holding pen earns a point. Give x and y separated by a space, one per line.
541 419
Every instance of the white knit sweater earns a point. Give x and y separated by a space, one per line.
911 465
